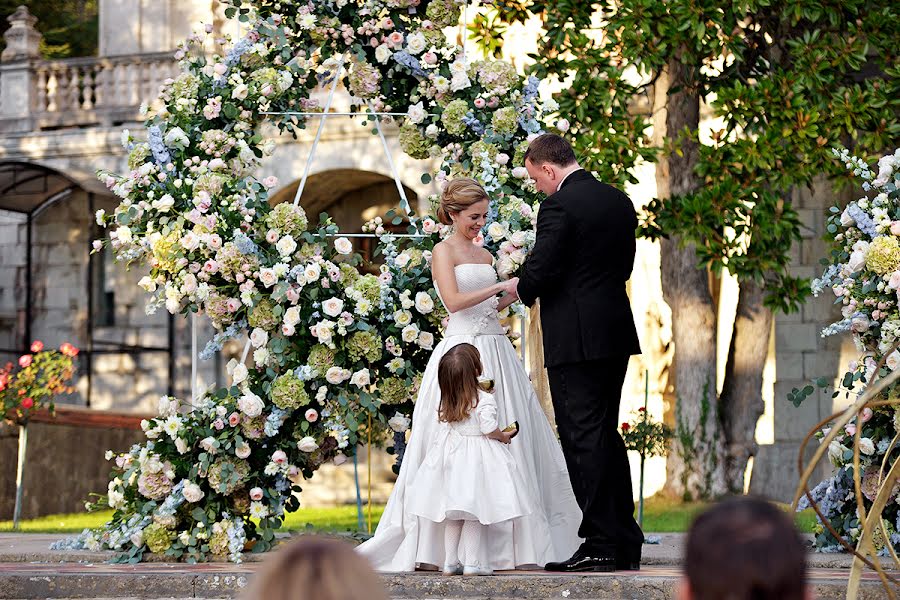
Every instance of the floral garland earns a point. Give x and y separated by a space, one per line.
864 276
334 347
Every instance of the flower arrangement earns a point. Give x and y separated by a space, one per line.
337 351
42 376
647 438
864 275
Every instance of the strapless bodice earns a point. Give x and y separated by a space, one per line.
482 318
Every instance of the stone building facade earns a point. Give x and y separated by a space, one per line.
61 120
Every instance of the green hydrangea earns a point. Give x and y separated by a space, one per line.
884 255
228 471
263 315
138 155
413 142
370 288
364 345
212 183
287 219
254 428
497 77
349 275
452 117
364 80
393 391
266 75
519 156
287 392
321 358
443 13
185 86
158 538
218 541
505 121
479 148
416 258
309 250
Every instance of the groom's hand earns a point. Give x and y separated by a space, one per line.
510 285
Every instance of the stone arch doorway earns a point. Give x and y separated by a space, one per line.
54 289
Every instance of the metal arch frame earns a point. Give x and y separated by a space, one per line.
91 343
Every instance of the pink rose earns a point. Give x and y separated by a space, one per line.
850 429
387 23
211 266
429 226
279 457
396 38
479 103
430 58
233 304
312 416
270 182
895 228
25 360
256 494
288 330
233 419
292 295
267 90
37 346
271 236
865 415
219 424
478 240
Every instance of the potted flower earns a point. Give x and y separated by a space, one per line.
29 387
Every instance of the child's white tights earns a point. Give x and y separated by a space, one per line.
463 544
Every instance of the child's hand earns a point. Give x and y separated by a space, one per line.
506 437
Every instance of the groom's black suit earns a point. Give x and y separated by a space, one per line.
582 258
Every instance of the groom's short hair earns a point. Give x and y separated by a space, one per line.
550 148
747 549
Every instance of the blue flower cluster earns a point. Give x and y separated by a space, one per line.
863 221
215 344
244 244
157 145
412 63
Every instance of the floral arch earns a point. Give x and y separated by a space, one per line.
335 353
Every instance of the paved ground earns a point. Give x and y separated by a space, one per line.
28 569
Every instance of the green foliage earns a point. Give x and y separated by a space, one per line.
788 80
69 27
647 438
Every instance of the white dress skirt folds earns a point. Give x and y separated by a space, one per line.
405 540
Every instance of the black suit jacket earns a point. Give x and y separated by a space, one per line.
582 258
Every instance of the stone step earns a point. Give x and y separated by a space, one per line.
159 581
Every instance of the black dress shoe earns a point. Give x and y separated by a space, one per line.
628 560
584 563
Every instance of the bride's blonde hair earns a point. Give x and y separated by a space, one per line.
460 194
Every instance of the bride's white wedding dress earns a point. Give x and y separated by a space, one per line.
402 540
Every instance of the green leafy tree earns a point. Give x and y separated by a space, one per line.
69 27
788 80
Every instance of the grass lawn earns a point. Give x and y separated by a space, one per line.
660 516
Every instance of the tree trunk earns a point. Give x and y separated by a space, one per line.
741 401
695 467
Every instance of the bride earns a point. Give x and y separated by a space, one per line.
468 286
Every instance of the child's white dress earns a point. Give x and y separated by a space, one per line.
467 476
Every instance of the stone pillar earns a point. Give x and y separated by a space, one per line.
17 87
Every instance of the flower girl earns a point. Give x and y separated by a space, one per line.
469 479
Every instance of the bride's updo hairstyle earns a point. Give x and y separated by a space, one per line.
460 194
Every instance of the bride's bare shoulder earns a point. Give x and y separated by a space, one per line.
444 251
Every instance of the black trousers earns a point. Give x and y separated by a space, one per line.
586 397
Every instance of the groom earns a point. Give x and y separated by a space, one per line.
582 258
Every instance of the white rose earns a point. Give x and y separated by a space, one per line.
519 238
497 231
240 373
402 259
416 43
835 452
268 277
333 307
312 272
163 204
432 131
343 245
123 234
505 267
251 404
860 324
240 91
209 444
426 340
866 446
893 361
286 246
167 406
190 241
416 113
857 261
181 445
307 444
399 423
259 337
563 125
383 53
192 492
459 81
520 173
424 303
403 318
410 333
846 219
147 284
242 450
361 378
176 137
292 316
334 375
